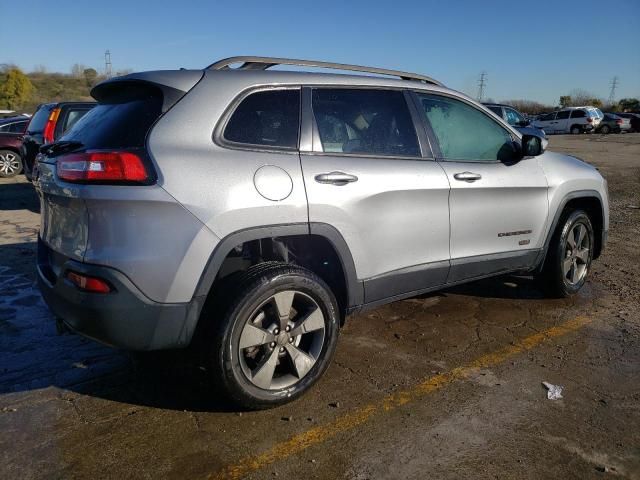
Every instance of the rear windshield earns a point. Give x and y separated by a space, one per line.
39 119
121 119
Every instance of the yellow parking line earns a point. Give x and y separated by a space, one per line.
321 433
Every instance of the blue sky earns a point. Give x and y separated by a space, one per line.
537 50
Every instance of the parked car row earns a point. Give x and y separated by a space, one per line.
21 137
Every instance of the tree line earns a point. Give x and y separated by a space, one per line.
25 91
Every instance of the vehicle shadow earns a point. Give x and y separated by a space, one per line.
33 355
19 196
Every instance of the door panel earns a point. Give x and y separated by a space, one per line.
394 217
498 206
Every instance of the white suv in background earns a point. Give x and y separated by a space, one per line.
570 120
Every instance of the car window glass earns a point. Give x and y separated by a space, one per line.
270 118
496 110
375 122
563 115
39 119
513 117
6 127
578 114
72 117
548 117
464 132
18 127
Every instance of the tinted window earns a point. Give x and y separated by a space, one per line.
39 119
72 117
496 110
464 132
269 118
513 117
375 122
564 114
121 119
548 117
578 114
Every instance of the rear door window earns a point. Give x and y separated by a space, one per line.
269 118
496 110
563 115
72 117
121 119
578 114
364 121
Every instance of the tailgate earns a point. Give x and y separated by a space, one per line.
64 221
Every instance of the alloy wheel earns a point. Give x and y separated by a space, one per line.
576 256
9 164
282 340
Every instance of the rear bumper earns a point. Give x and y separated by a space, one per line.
124 318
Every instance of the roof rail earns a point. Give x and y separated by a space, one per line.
263 63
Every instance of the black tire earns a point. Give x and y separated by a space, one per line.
554 278
605 129
10 164
240 298
575 130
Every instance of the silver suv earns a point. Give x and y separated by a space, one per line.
246 212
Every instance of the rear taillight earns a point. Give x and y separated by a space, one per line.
50 126
103 167
88 284
589 119
619 121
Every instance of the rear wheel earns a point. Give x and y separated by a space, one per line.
275 337
575 130
10 163
569 256
605 129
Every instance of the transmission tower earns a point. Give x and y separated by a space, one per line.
482 83
107 63
612 92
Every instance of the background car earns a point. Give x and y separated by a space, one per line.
634 120
613 123
514 118
11 136
48 124
570 120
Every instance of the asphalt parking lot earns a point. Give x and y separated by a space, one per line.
447 385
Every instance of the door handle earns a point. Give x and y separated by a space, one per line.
467 176
336 178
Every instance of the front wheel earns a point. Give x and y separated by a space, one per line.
275 338
10 164
605 129
569 257
575 130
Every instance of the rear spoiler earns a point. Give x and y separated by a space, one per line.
174 84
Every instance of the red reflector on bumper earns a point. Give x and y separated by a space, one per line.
89 284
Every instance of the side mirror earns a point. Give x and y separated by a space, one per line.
533 145
524 123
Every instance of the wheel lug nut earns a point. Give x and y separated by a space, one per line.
290 339
287 329
276 331
281 349
272 344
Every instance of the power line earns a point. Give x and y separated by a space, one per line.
612 93
107 63
482 83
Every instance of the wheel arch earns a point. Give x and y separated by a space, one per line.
591 202
354 291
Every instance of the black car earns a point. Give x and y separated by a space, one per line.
514 118
634 118
48 124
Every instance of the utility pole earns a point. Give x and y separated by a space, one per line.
612 93
107 63
482 83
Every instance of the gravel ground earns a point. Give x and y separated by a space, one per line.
446 385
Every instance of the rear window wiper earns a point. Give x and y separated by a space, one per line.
59 147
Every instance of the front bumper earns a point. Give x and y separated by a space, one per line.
124 318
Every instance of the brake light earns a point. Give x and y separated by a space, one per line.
50 126
619 121
102 167
589 119
89 284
